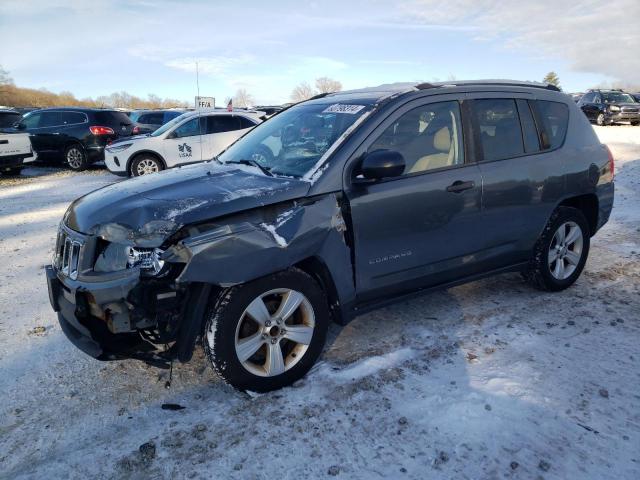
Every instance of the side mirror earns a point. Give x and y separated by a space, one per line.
171 135
19 126
382 164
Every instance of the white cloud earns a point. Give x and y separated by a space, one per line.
593 36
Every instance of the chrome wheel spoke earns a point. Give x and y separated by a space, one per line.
572 257
553 256
247 347
275 361
558 270
290 303
258 311
574 234
560 234
299 334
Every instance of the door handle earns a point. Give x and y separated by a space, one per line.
460 186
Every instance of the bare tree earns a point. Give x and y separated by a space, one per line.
302 92
328 85
242 99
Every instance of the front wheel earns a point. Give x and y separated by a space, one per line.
144 165
266 334
560 252
75 158
635 124
601 120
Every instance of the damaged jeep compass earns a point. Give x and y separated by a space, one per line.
335 206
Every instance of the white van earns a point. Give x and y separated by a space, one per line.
191 137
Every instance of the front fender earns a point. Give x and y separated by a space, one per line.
269 240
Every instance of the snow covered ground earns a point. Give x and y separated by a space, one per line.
488 380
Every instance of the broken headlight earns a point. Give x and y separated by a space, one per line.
114 257
148 259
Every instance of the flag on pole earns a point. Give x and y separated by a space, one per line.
230 106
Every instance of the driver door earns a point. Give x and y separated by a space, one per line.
184 143
420 228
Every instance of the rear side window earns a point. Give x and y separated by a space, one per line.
245 123
499 125
70 118
222 123
50 119
154 118
554 117
112 118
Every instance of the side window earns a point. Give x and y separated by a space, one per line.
529 131
245 123
500 133
587 98
32 120
554 117
596 98
188 129
151 118
168 116
428 137
50 119
222 123
70 118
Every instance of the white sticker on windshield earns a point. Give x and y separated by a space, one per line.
339 108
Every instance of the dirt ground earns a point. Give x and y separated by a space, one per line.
488 380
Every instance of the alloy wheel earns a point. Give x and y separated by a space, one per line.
147 166
274 332
565 251
75 158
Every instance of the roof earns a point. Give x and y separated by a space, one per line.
373 94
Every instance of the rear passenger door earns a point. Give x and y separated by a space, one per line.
521 183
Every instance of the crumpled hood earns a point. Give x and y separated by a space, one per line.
144 211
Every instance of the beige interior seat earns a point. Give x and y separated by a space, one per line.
445 155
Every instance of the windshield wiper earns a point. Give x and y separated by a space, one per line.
253 163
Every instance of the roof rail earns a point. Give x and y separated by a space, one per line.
504 83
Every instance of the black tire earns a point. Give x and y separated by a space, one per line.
75 158
602 120
11 171
635 124
145 164
539 271
225 312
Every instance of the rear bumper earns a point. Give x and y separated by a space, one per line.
90 334
12 161
95 153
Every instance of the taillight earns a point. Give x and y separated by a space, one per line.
96 130
135 130
612 165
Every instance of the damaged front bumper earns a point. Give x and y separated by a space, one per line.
76 302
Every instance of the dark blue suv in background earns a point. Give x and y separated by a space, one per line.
77 136
366 197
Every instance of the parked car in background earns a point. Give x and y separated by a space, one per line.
191 137
77 136
374 195
15 152
148 121
636 96
9 117
609 106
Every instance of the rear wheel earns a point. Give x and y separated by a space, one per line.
144 165
635 124
561 251
75 158
266 334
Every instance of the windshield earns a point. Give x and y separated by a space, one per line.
617 97
293 141
169 125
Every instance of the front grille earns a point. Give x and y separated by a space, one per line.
68 254
630 109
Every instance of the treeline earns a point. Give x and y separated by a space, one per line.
13 96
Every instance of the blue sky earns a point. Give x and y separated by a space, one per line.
151 46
